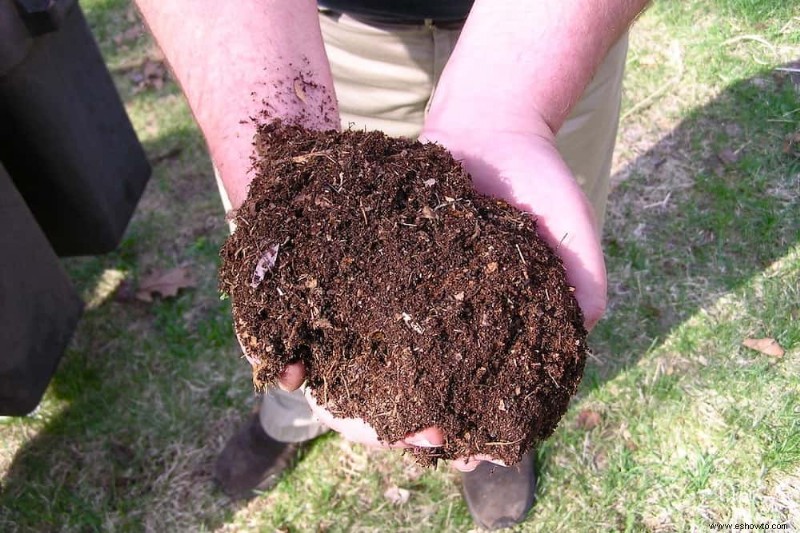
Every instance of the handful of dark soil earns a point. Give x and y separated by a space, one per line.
412 300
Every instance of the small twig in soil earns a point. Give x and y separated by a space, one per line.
502 443
551 377
662 203
521 256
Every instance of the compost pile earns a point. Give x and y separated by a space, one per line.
412 300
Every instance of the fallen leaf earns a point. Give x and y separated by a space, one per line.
588 419
264 264
396 495
728 156
791 144
428 213
165 284
155 73
767 346
151 74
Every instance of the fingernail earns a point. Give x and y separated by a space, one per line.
421 442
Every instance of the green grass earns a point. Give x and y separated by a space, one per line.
701 254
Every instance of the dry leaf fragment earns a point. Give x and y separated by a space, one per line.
588 419
396 495
165 284
791 144
153 74
728 157
767 346
428 213
264 264
411 324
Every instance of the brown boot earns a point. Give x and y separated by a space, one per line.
252 461
498 496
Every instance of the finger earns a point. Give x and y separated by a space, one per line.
464 465
292 377
352 429
567 223
471 463
427 438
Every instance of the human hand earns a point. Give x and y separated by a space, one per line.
356 430
526 170
352 429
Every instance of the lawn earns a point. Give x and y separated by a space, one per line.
677 424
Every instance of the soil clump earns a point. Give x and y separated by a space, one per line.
412 300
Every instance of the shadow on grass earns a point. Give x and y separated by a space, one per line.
705 209
151 392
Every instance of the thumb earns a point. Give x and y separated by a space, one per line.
292 377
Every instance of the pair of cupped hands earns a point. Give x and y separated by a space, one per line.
526 170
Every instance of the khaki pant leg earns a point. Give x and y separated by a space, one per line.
587 138
385 74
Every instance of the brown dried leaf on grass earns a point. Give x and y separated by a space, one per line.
728 156
767 346
152 74
791 144
165 284
588 419
396 495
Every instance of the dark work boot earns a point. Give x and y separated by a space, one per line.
252 461
498 496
